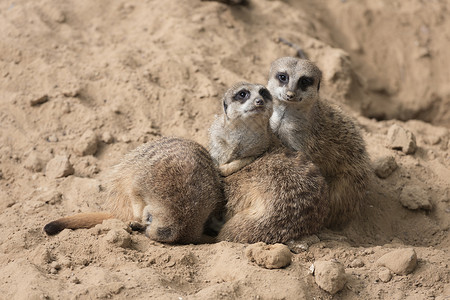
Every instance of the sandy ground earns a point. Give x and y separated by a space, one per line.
130 71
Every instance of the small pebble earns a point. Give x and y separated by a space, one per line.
52 138
125 138
38 100
415 197
400 261
58 167
269 256
76 280
401 139
384 166
107 137
119 237
330 276
385 275
34 162
357 263
87 144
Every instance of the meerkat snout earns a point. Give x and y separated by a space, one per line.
259 102
290 95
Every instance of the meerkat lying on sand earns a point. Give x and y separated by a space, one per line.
170 184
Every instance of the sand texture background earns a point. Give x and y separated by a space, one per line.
84 82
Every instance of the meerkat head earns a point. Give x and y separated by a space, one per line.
245 100
294 80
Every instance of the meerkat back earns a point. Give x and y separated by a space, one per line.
171 185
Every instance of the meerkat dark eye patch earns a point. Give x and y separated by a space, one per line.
242 95
304 82
265 94
283 78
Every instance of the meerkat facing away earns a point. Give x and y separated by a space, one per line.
305 122
170 184
277 195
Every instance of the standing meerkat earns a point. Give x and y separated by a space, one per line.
273 194
305 122
170 184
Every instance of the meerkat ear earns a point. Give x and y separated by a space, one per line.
318 86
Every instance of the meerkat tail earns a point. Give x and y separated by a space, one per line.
78 221
234 166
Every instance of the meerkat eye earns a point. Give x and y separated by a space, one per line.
283 77
304 82
242 95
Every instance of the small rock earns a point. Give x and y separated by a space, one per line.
56 15
50 197
72 90
1 174
119 237
303 244
415 197
38 100
385 274
431 140
400 261
357 263
384 166
330 276
52 138
125 138
34 162
58 167
107 137
87 144
65 107
55 265
269 256
76 280
401 139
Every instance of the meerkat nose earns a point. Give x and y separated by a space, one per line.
259 102
290 94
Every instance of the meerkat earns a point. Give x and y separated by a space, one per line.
322 131
242 132
171 185
273 194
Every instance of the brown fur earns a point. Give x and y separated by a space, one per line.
280 195
305 122
170 184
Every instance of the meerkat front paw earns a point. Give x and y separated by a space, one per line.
234 166
136 226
